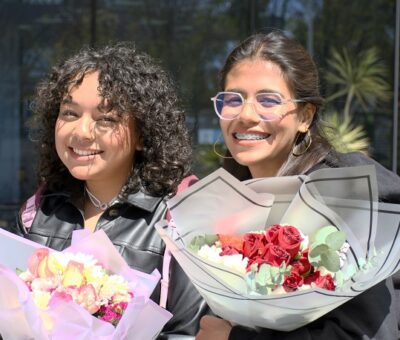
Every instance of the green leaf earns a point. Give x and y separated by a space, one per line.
339 279
18 271
335 240
317 250
321 234
263 277
200 240
331 261
210 239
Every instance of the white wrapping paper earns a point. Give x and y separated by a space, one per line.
345 198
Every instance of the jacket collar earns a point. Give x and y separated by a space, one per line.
138 199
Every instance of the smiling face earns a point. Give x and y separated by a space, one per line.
96 146
262 146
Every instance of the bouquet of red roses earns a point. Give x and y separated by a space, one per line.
280 252
280 259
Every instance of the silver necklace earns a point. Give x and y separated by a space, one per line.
96 202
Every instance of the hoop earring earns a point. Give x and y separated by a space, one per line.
303 146
215 149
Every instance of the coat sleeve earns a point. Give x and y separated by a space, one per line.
370 315
185 303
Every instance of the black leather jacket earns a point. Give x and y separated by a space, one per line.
129 224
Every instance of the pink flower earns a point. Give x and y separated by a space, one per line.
38 264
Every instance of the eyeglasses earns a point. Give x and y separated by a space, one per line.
228 105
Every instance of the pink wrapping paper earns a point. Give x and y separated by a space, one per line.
21 319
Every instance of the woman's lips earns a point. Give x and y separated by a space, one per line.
250 136
82 154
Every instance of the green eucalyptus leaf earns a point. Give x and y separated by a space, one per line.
210 239
200 240
317 250
321 235
336 239
263 276
339 279
331 261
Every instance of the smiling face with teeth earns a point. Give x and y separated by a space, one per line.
262 146
95 146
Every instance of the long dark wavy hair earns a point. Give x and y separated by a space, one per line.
132 84
301 75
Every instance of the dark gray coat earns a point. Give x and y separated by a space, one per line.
373 314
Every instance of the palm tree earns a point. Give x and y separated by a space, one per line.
360 78
343 135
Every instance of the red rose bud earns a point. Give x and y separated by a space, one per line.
312 277
228 250
254 245
275 255
272 233
325 282
289 238
292 282
302 266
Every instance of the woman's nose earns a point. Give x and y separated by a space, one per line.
249 114
84 129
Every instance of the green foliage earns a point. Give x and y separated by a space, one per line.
200 240
264 278
323 249
207 160
360 78
344 135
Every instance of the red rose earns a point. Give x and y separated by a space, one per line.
292 282
312 277
254 245
289 238
275 255
325 282
228 250
271 234
302 266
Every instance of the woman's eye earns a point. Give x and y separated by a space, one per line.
268 100
67 114
107 121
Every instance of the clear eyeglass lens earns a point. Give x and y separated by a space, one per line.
229 105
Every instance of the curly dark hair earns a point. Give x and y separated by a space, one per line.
132 84
301 75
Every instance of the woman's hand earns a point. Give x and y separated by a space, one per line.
214 328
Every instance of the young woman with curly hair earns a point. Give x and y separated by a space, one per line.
113 146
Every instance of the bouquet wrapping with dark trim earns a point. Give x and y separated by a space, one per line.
349 237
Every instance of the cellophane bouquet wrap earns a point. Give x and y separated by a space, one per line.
23 317
343 198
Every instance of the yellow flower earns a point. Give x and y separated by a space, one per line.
73 275
41 299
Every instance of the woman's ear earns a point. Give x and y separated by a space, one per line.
306 116
139 143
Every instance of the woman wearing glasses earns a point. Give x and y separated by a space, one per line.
113 146
269 117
